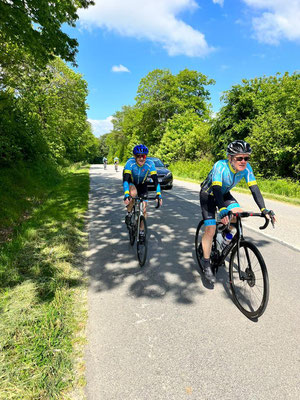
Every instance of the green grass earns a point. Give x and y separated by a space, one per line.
41 279
24 187
195 171
286 190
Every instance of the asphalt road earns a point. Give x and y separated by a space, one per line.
160 332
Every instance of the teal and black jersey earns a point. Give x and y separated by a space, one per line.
223 175
215 190
137 175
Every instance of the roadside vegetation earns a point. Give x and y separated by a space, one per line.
42 284
173 117
45 137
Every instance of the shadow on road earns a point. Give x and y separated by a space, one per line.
171 268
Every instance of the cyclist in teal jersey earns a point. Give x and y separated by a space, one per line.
215 192
135 173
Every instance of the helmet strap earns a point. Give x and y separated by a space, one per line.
230 160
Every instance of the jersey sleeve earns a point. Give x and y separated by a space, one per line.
153 174
217 174
126 177
249 176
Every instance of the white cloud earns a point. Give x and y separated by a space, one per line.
101 126
221 2
152 20
278 19
120 68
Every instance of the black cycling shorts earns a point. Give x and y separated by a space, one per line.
142 189
208 204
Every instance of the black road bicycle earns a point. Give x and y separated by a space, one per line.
137 219
248 275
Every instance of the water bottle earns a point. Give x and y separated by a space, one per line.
226 240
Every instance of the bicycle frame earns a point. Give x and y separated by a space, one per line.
138 211
237 239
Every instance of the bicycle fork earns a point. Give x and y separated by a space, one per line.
247 274
138 221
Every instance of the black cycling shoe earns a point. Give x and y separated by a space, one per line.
128 219
206 268
142 237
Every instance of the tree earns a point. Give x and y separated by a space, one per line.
161 97
186 138
266 112
44 115
35 25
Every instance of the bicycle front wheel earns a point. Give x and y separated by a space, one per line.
250 291
142 246
131 231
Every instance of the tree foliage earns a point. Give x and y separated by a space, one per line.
35 25
161 98
265 112
43 114
186 138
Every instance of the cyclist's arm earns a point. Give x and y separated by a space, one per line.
256 193
217 181
251 181
156 184
154 177
126 180
217 191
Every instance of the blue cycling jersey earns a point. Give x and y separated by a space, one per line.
139 174
222 174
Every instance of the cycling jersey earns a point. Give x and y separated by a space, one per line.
223 175
138 175
215 189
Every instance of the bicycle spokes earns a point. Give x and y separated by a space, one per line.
249 280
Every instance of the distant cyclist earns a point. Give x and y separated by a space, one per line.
105 162
215 192
116 163
136 171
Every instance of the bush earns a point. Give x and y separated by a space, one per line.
196 170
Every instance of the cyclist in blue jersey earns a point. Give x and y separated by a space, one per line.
135 173
215 192
104 162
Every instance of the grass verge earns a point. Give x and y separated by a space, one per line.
41 279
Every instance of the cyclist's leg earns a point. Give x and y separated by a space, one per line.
232 205
208 208
132 193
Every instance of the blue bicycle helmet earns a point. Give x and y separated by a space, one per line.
238 147
140 149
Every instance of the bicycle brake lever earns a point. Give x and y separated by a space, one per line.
273 223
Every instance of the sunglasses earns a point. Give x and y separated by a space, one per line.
141 156
239 158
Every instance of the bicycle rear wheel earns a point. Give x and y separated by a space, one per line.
198 239
142 247
251 292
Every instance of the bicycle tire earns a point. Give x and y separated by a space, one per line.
142 247
131 234
198 245
252 294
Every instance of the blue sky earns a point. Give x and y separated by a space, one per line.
120 41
